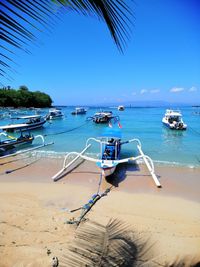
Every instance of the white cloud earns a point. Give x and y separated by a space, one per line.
143 91
192 89
176 90
154 91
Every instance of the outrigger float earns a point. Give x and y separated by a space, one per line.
11 143
110 148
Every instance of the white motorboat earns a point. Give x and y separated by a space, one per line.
54 113
28 123
79 111
121 108
173 120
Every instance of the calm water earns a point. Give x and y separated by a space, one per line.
165 146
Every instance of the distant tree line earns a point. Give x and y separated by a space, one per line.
23 98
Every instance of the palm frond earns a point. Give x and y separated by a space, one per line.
21 18
115 13
98 245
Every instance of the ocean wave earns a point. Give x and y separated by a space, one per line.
61 155
176 164
58 155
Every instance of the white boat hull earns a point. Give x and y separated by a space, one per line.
173 126
108 171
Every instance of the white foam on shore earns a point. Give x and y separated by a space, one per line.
61 155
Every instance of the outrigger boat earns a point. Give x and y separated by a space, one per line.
29 123
110 148
103 117
8 144
173 120
11 142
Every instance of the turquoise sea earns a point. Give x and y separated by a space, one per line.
163 145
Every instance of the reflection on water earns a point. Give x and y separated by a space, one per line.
172 137
168 133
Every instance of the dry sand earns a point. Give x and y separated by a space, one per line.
32 216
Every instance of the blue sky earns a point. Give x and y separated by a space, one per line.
79 64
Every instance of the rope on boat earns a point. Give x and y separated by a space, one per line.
69 130
100 181
87 207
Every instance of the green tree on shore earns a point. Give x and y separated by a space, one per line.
23 98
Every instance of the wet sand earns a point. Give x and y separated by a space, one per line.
32 216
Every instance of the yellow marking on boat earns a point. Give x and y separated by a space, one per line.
12 137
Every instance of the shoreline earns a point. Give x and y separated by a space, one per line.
159 163
178 181
33 209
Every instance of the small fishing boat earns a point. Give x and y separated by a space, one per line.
79 111
9 144
110 155
54 113
103 117
173 120
12 142
121 108
28 123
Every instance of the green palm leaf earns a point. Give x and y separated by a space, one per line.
20 19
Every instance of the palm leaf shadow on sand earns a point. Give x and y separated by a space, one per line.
98 245
113 244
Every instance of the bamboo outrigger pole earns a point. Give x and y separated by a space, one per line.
57 175
151 169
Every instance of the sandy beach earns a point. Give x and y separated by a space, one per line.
34 209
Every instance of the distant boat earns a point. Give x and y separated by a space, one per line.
79 111
173 120
102 117
54 113
121 108
29 123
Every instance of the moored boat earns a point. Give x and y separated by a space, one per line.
12 142
173 120
79 111
102 117
121 108
28 123
54 113
9 144
110 155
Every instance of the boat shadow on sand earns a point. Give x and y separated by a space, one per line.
122 172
